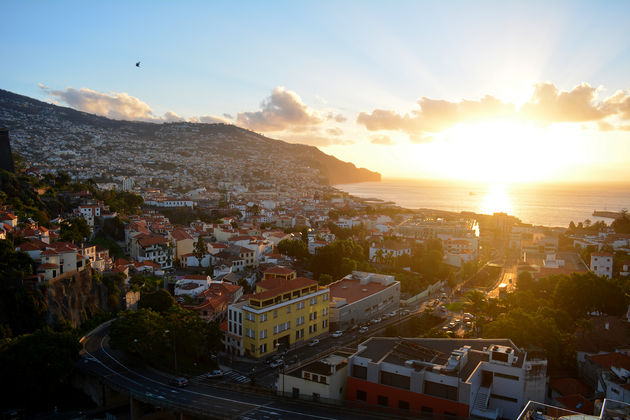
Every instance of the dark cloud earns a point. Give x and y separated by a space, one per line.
283 110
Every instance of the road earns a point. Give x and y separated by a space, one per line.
151 386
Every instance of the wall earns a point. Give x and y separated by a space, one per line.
423 295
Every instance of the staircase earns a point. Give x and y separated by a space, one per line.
480 405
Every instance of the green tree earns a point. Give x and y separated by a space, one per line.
74 230
304 235
159 301
200 249
325 279
293 248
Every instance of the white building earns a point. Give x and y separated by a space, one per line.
192 285
602 264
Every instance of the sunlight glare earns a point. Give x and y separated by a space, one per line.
497 200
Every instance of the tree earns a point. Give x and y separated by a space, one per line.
293 248
325 279
304 235
200 249
158 301
74 230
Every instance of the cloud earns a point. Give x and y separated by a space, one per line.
209 119
317 140
382 139
337 118
119 106
282 110
435 115
547 105
229 116
334 131
170 116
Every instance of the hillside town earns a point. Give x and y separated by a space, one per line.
321 296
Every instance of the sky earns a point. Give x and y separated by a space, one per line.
519 92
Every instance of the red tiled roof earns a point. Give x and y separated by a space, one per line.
28 246
195 277
601 254
577 403
279 270
278 286
153 240
611 359
570 386
47 266
180 235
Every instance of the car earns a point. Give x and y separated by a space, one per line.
393 313
385 316
404 312
337 334
179 382
376 320
363 330
354 327
276 363
313 342
217 373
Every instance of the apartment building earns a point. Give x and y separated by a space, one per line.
482 378
281 313
602 264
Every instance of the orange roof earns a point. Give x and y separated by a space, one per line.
601 254
274 287
153 240
279 270
352 290
577 403
570 386
195 277
180 235
47 266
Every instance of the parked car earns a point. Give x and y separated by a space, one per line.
276 363
179 382
404 312
393 313
376 320
363 330
217 373
337 334
313 342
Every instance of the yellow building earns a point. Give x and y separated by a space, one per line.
283 311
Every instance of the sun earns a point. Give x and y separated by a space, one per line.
499 152
496 200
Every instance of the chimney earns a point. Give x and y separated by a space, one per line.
6 158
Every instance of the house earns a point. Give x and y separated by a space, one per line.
320 380
155 248
610 374
379 252
192 285
182 242
482 378
212 303
602 264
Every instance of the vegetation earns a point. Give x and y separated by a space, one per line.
339 259
294 248
176 336
74 230
159 301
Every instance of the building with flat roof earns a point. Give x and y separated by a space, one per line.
283 312
362 296
321 380
484 378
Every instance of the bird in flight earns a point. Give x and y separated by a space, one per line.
138 64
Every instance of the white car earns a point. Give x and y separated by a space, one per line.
313 342
392 314
276 363
337 334
217 373
376 321
363 330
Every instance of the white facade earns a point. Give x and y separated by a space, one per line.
602 264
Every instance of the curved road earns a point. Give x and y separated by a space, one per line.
152 386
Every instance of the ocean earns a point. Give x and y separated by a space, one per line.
539 204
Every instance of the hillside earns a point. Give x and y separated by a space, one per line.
90 146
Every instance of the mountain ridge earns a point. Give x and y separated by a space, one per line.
35 123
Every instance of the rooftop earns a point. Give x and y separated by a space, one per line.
354 288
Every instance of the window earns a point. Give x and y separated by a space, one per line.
240 317
263 317
324 323
299 305
322 379
275 313
253 348
299 333
325 297
403 404
324 311
263 334
312 328
250 333
312 316
501 397
359 372
288 309
504 376
313 301
361 395
382 400
250 317
307 376
300 321
230 315
263 348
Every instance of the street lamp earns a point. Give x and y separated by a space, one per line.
174 349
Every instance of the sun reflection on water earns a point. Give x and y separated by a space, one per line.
496 200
